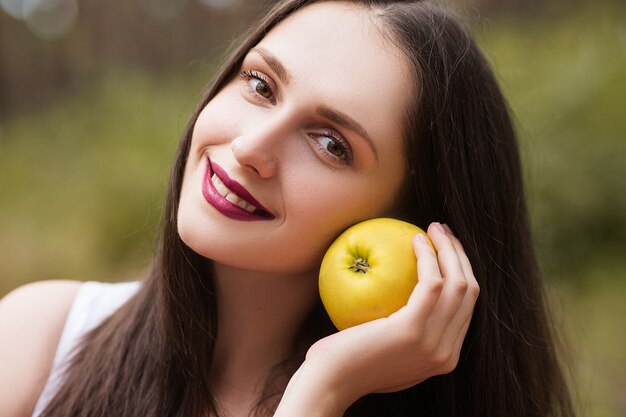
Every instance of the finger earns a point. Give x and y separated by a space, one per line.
473 287
455 332
455 283
430 283
455 353
466 266
449 261
460 338
460 250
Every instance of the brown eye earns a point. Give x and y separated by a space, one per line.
336 149
258 85
262 88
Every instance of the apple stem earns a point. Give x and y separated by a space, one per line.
360 266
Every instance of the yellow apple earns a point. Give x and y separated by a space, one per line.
369 271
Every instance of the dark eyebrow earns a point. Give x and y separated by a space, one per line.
274 64
347 122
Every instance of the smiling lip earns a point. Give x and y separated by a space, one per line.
224 206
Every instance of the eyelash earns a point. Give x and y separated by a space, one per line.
249 75
336 139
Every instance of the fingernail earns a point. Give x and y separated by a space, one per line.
440 228
422 238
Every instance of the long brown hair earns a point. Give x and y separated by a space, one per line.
152 357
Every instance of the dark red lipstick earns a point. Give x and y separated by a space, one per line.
226 207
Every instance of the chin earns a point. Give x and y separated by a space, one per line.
249 256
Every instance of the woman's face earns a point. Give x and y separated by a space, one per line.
305 141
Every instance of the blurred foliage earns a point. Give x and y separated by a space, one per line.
591 318
82 175
82 182
566 81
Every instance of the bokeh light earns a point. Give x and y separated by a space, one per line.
53 19
50 18
46 18
12 7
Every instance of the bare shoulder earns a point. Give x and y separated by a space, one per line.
32 318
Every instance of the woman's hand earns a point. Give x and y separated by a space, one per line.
420 340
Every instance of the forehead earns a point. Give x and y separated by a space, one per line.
337 49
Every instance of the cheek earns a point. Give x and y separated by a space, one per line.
317 217
331 203
217 121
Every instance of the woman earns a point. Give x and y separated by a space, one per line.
327 114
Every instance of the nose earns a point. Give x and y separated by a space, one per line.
257 149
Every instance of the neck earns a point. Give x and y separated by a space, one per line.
259 316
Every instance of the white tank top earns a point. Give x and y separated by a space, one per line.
94 302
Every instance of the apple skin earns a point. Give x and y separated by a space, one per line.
357 291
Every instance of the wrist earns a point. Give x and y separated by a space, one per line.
312 392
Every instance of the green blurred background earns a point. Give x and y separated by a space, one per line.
94 95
